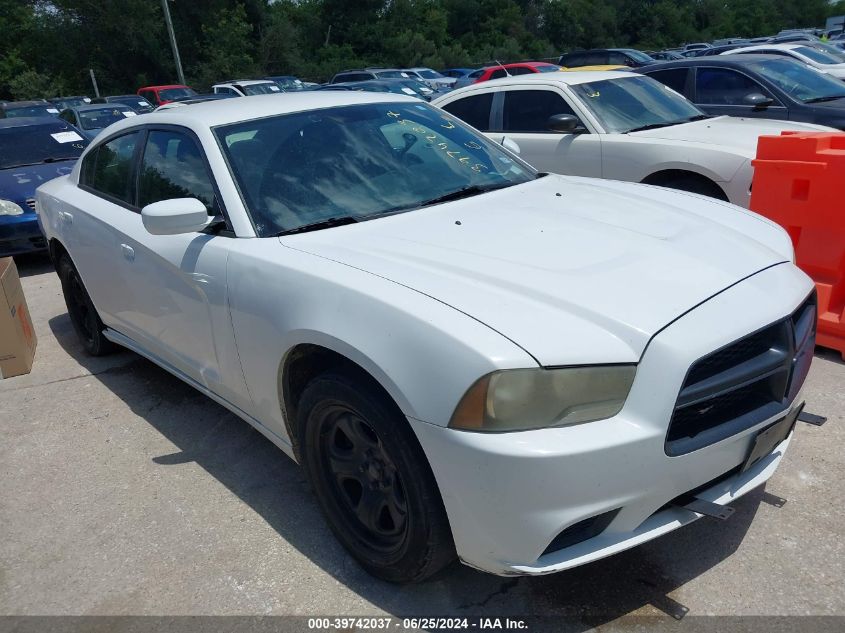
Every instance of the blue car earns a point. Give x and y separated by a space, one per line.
92 119
32 151
457 73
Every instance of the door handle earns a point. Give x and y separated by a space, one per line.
128 252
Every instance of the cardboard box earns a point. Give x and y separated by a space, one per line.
17 336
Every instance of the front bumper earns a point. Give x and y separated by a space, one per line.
509 495
20 234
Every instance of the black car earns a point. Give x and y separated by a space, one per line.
139 104
34 108
606 57
760 86
63 103
716 50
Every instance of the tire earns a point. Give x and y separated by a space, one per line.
83 315
372 480
696 185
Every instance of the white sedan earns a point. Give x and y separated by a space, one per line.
807 52
620 126
466 356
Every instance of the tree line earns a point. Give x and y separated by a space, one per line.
47 46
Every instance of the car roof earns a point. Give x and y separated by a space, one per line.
163 87
777 47
245 82
225 111
10 105
572 78
713 60
99 106
31 121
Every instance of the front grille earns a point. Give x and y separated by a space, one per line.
743 383
30 202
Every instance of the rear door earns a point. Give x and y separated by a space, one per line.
179 281
98 209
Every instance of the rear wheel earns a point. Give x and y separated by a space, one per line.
372 480
83 314
694 184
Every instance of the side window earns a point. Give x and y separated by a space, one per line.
722 86
108 169
521 70
618 59
675 78
499 72
67 115
596 58
474 110
173 167
529 110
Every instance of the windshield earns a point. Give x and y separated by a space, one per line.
33 144
630 103
139 104
393 74
358 162
260 89
70 102
820 57
831 50
41 109
102 117
799 80
429 74
638 55
172 94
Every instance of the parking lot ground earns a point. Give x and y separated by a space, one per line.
124 491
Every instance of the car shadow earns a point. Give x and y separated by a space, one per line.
252 468
31 264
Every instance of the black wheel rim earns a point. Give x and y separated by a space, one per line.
363 480
80 308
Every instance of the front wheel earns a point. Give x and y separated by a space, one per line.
83 315
372 480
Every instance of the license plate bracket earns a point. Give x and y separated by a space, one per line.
768 438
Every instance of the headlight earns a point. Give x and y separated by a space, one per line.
7 207
523 399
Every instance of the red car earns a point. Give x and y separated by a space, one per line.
159 95
504 70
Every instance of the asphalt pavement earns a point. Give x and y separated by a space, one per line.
125 491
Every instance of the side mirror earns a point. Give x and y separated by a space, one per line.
510 144
175 216
564 124
757 100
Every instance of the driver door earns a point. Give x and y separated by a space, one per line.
720 91
521 113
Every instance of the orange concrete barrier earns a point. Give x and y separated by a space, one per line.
799 182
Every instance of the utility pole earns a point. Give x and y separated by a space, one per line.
172 35
94 81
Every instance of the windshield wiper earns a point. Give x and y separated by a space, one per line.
50 159
463 192
320 224
654 126
821 99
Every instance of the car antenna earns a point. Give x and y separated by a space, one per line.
502 66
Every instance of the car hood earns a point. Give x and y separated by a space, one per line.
735 132
572 270
19 183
